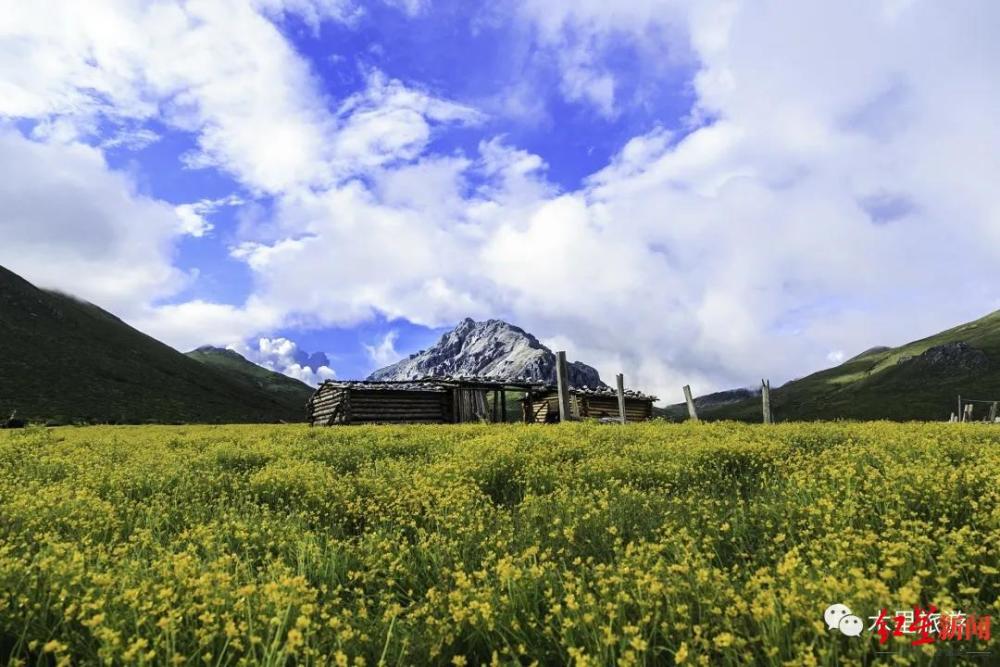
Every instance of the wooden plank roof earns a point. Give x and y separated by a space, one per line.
609 392
441 383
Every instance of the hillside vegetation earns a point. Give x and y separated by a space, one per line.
239 369
917 381
710 544
63 360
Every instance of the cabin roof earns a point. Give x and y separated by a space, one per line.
442 383
384 386
438 383
609 392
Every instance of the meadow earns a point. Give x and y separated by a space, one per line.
705 544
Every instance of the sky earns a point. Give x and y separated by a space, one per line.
686 192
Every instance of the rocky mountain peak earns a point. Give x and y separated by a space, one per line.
494 349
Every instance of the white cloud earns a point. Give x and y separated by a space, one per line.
131 139
579 34
389 123
194 216
217 68
284 356
70 222
192 324
384 352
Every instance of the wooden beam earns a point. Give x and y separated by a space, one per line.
765 393
503 406
620 387
562 384
690 403
528 408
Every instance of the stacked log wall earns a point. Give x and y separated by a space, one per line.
327 406
594 407
386 406
607 406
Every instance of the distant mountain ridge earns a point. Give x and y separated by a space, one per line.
920 380
491 349
63 360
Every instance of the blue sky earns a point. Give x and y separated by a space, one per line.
686 193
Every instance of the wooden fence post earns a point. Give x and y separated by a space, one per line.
993 413
562 384
765 393
620 382
690 402
967 417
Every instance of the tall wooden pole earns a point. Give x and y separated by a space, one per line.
620 382
562 384
690 401
765 393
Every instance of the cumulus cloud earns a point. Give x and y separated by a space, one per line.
384 352
71 222
194 216
284 356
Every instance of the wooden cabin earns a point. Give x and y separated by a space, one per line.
586 403
428 401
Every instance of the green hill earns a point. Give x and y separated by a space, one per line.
237 367
63 360
920 380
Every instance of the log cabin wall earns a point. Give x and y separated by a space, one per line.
607 406
545 407
347 403
408 407
468 405
327 406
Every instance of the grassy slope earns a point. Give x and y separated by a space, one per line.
287 390
874 385
65 360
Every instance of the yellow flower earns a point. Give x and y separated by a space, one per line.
53 646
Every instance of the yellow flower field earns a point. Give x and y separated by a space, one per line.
710 544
